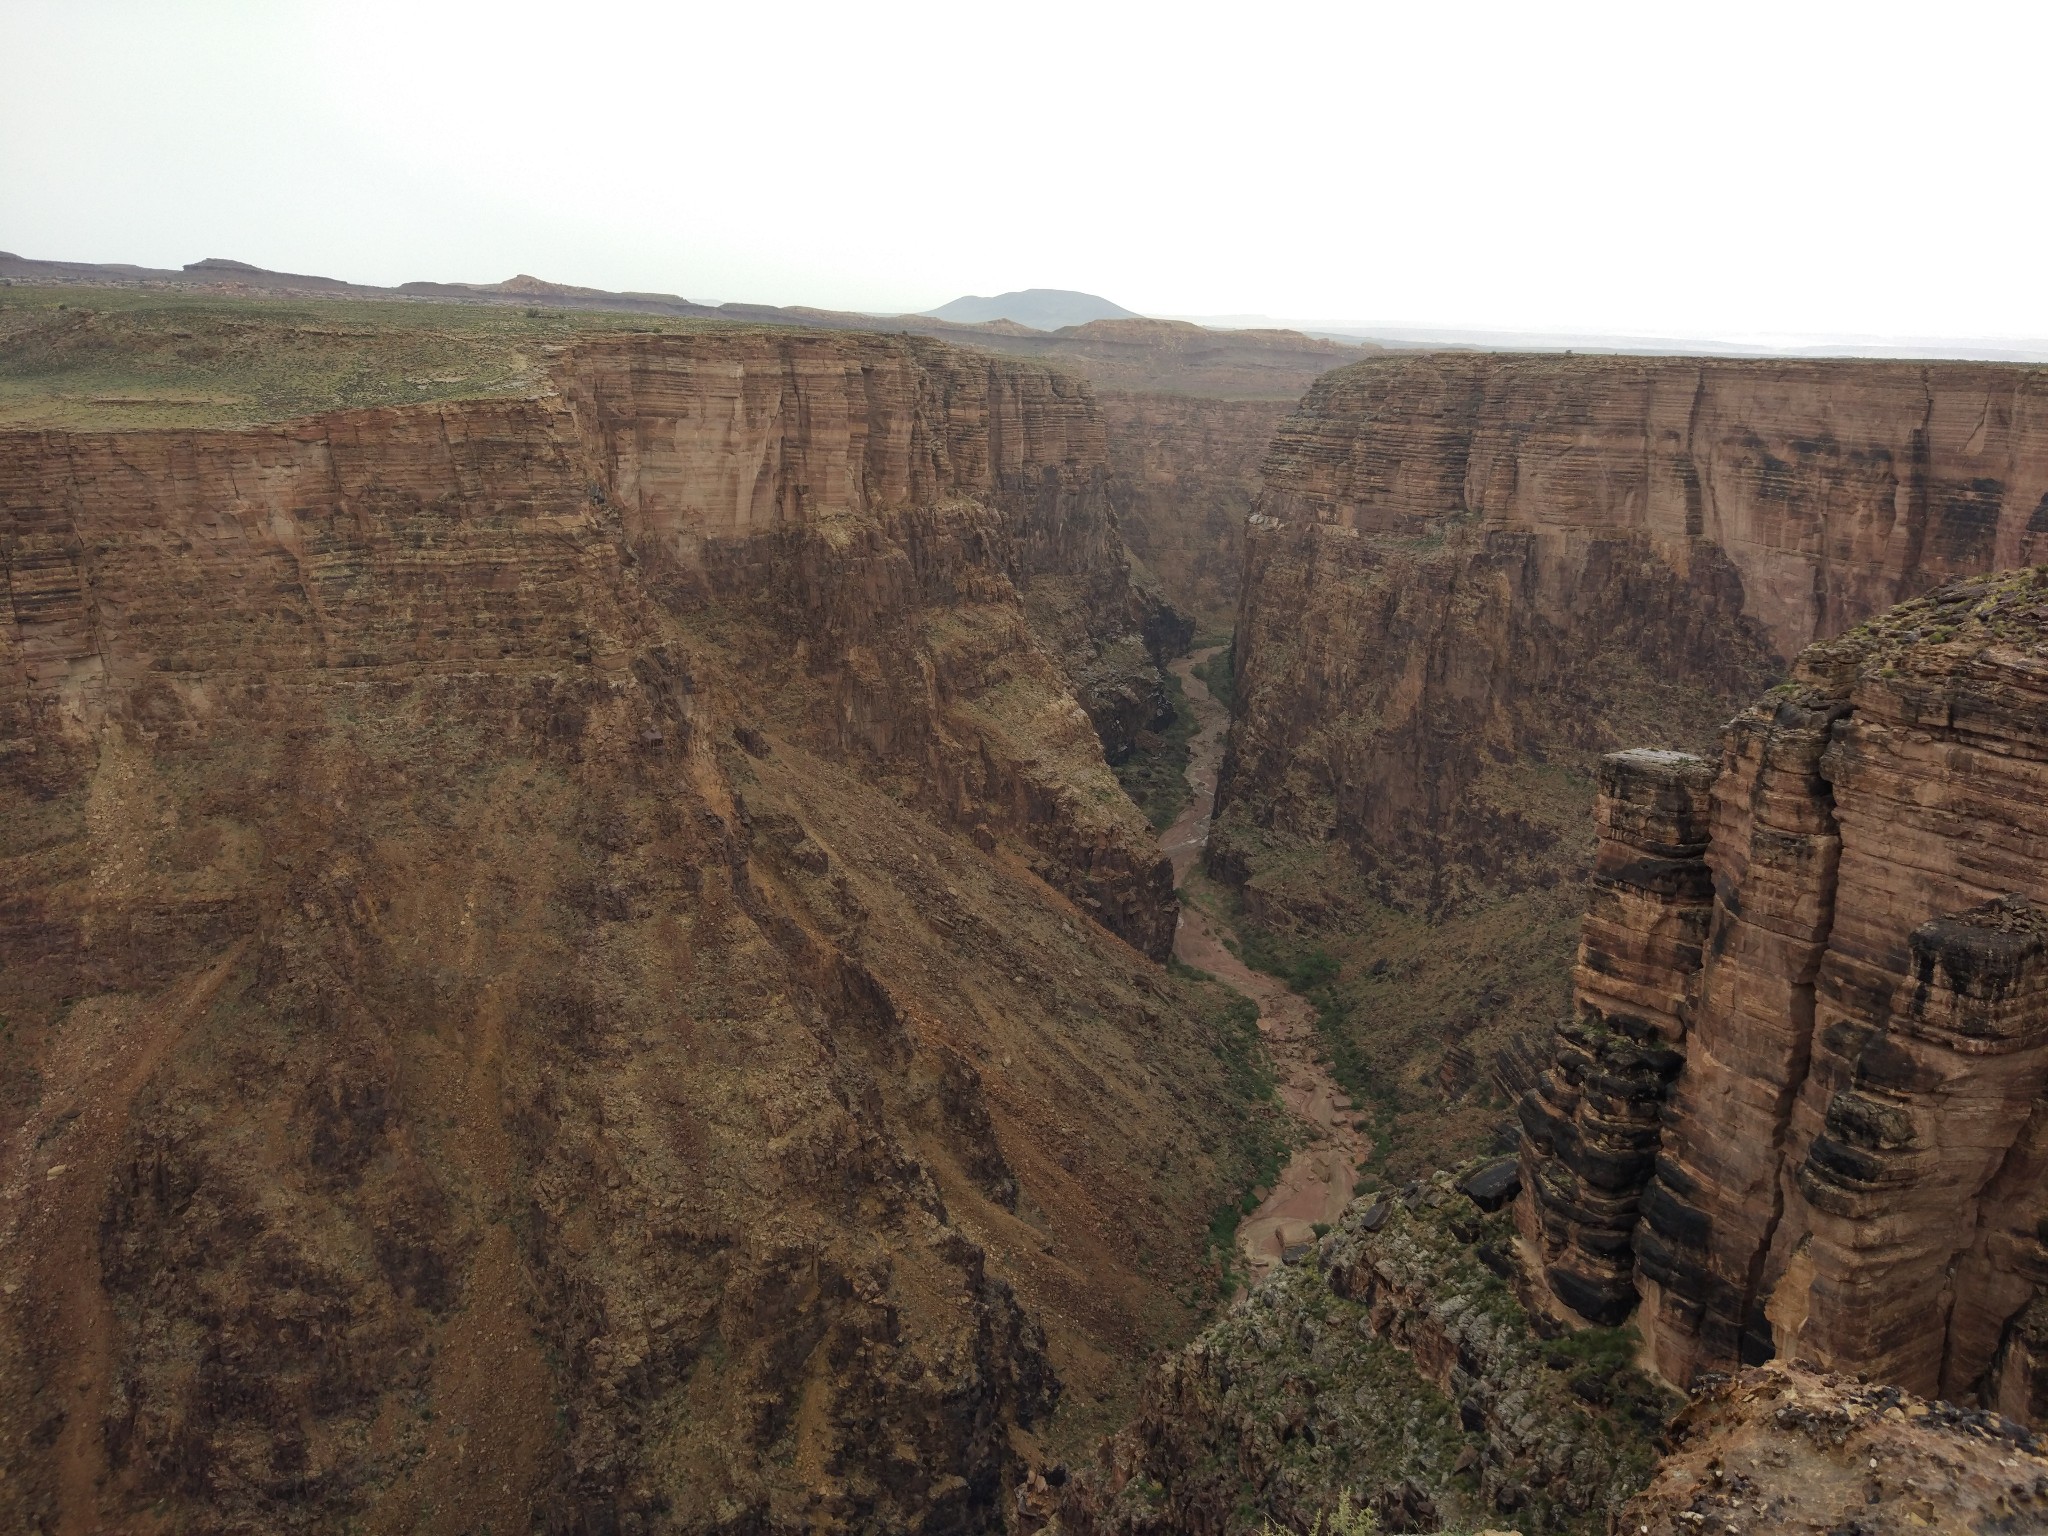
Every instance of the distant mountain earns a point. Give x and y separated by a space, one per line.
1043 309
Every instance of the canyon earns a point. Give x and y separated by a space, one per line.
1794 1123
573 956
1467 577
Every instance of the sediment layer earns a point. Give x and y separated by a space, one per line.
1466 561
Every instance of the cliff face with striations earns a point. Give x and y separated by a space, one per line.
1592 1120
1468 577
1184 473
567 962
1849 1157
1455 558
745 485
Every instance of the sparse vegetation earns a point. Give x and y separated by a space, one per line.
1155 775
1219 675
1259 1148
1393 991
111 358
1346 1519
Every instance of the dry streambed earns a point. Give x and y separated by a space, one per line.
1316 1184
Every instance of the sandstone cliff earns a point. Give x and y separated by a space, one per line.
1804 1117
1469 576
566 962
1184 473
1449 550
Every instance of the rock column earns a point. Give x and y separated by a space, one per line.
1590 1124
1708 1215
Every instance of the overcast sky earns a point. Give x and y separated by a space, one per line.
1706 170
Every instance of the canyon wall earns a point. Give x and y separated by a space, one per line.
1804 1117
574 962
1460 561
1469 576
853 424
1184 473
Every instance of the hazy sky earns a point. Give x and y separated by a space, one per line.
1673 169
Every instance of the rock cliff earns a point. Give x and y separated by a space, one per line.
1184 473
1594 1113
1469 576
1804 1117
567 962
1451 551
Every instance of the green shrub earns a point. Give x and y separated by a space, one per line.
1346 1519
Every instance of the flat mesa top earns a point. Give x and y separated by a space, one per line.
109 359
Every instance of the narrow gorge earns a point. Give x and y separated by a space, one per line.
1315 1183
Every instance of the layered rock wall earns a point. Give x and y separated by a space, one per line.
1465 561
1591 1123
822 429
1850 1161
1184 473
526 926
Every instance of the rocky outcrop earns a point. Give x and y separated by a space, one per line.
1849 1162
1784 1449
547 961
1590 1125
1469 577
1462 563
1394 1367
1184 473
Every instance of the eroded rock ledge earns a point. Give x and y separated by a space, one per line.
1787 1449
1393 1364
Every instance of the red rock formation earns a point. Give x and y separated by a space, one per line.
1591 1125
1851 1161
702 454
1464 560
1184 473
505 1019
